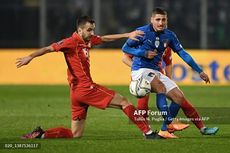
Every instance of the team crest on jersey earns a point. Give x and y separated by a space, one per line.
157 42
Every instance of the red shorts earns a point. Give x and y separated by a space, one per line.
81 98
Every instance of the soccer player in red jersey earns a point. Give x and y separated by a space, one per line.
83 91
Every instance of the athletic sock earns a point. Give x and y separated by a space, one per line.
136 119
174 109
163 108
192 113
142 104
58 132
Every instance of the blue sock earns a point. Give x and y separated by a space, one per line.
163 108
174 109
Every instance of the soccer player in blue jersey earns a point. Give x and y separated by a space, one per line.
148 53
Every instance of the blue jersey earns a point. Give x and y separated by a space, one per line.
153 41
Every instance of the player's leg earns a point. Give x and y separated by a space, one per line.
176 125
131 112
77 127
78 111
142 104
101 97
119 101
177 95
79 114
174 106
158 87
161 102
174 109
191 112
58 132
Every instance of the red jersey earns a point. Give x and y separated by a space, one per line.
167 58
76 53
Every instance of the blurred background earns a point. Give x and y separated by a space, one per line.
199 24
37 94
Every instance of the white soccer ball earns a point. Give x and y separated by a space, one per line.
140 87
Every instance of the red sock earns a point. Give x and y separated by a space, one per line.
141 123
58 132
192 113
142 104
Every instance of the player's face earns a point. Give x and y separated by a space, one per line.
87 31
159 22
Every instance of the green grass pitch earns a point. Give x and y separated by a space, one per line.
107 131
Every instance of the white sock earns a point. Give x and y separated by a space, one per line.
202 129
149 132
43 135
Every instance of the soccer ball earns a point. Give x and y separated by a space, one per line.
140 87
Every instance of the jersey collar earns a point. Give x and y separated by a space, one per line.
152 30
81 43
76 36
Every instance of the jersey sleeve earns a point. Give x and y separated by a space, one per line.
96 40
167 58
64 45
174 43
133 51
134 43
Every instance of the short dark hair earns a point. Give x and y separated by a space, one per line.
83 20
159 10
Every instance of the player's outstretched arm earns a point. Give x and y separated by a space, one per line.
131 35
190 61
26 60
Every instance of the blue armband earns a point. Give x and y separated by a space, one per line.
189 60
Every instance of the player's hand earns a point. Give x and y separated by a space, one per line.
23 61
150 54
137 33
204 77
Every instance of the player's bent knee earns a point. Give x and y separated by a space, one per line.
176 95
179 95
77 128
125 102
119 102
